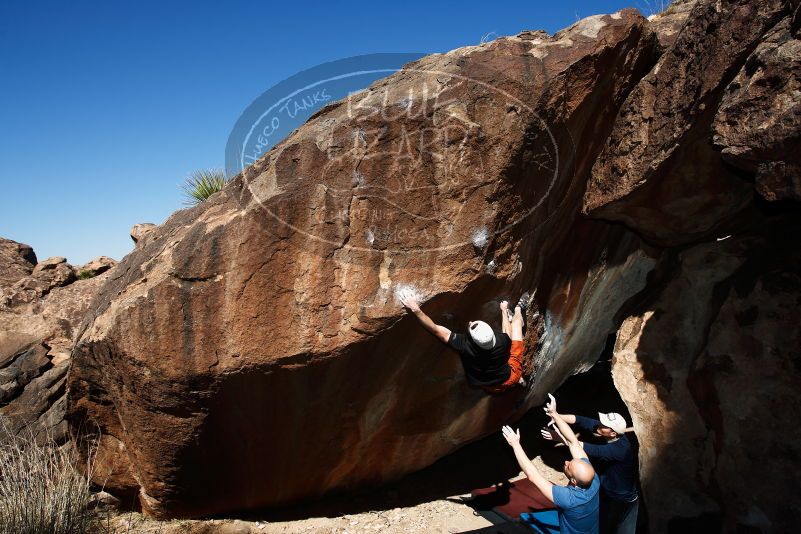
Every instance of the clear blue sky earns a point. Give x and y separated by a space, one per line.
105 107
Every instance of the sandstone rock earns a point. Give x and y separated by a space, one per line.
758 124
260 331
242 327
46 275
140 231
98 265
16 261
669 23
49 264
709 370
40 408
38 314
105 502
659 172
22 368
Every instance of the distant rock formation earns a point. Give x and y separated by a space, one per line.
140 231
16 261
639 177
40 306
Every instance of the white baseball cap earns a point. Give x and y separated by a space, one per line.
482 334
614 421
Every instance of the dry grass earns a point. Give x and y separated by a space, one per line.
654 7
41 488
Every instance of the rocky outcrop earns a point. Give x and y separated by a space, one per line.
251 352
757 124
141 230
95 267
16 261
669 23
710 372
708 353
659 173
40 306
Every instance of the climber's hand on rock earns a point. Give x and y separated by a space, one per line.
512 437
410 303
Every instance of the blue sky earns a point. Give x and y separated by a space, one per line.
105 107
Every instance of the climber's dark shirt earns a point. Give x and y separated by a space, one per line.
615 463
483 367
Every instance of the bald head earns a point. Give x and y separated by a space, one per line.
579 472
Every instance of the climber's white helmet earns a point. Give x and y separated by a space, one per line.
482 334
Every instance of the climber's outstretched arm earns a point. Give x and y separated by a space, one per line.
411 304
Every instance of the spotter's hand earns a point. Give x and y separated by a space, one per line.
550 407
512 437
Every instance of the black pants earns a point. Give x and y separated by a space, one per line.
618 517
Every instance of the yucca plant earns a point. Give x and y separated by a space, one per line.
201 184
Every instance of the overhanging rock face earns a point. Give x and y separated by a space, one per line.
251 352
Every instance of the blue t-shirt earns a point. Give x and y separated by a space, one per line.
615 463
578 507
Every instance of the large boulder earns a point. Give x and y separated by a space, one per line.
251 351
95 267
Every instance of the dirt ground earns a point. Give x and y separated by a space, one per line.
436 517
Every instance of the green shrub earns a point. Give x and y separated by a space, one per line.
41 488
86 274
202 184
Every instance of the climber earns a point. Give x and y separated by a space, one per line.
617 468
492 360
577 502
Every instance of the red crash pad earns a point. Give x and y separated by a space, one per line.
511 498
